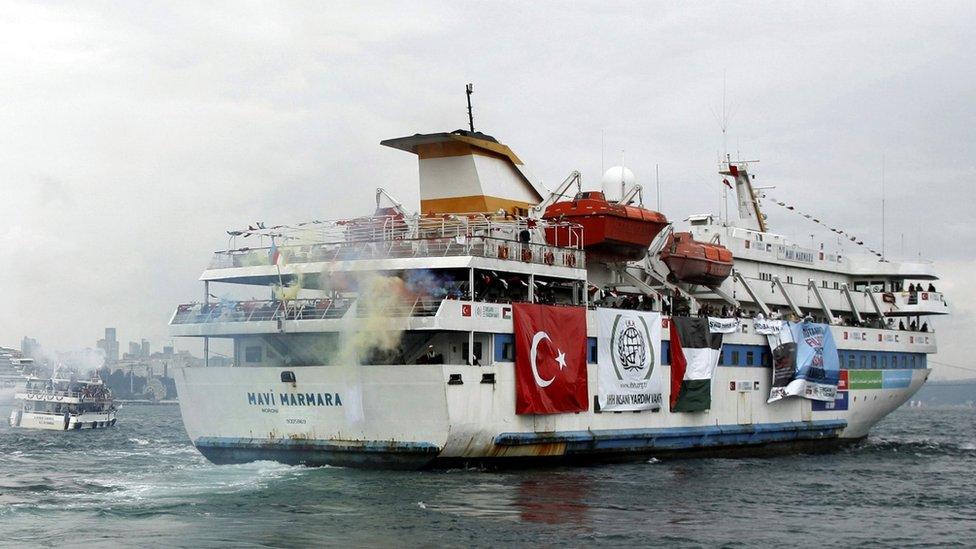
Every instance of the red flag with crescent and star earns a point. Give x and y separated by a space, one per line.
550 359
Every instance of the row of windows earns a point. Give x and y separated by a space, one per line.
880 360
750 355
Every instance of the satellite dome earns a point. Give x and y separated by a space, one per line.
615 179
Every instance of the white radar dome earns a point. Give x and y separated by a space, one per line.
615 180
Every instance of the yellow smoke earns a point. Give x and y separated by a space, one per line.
289 291
371 326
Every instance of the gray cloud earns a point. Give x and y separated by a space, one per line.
134 134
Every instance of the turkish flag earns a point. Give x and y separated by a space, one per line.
550 359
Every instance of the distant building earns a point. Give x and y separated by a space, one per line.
145 348
167 349
28 346
110 346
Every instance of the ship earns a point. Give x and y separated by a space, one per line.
64 403
505 324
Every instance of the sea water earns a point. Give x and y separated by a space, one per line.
141 483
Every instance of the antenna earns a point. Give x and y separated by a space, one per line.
723 122
623 185
469 89
603 151
882 207
657 183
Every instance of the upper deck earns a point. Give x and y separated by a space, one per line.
396 242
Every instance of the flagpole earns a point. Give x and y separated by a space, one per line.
275 256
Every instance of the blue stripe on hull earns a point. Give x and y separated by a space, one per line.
387 455
579 445
681 438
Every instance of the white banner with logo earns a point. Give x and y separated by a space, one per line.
629 360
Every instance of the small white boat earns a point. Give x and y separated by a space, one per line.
64 405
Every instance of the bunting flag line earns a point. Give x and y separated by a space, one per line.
834 230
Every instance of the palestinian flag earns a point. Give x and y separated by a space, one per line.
694 356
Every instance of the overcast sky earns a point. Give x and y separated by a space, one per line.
132 135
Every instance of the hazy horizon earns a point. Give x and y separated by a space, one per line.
135 135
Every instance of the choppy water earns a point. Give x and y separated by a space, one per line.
141 483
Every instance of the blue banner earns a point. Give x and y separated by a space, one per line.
817 363
805 361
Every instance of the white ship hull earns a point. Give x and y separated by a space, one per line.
410 416
55 422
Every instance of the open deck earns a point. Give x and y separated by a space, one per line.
391 237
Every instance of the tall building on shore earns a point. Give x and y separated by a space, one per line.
28 345
110 345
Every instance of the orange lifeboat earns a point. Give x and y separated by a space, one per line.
696 262
611 231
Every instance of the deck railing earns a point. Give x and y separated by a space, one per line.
392 237
299 309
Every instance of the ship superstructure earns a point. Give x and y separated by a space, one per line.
392 339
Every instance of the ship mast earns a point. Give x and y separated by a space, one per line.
749 209
468 90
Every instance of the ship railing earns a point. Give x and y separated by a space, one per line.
415 306
54 394
391 237
260 310
302 309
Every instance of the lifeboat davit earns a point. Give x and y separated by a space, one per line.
611 231
696 262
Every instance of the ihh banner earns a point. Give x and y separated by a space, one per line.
629 354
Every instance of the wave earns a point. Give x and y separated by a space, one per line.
921 446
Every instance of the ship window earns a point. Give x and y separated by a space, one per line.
913 361
823 283
904 361
508 350
789 279
252 354
884 361
864 362
836 285
735 358
750 357
850 360
591 344
477 352
874 361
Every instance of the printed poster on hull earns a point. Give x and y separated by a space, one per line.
805 361
628 357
